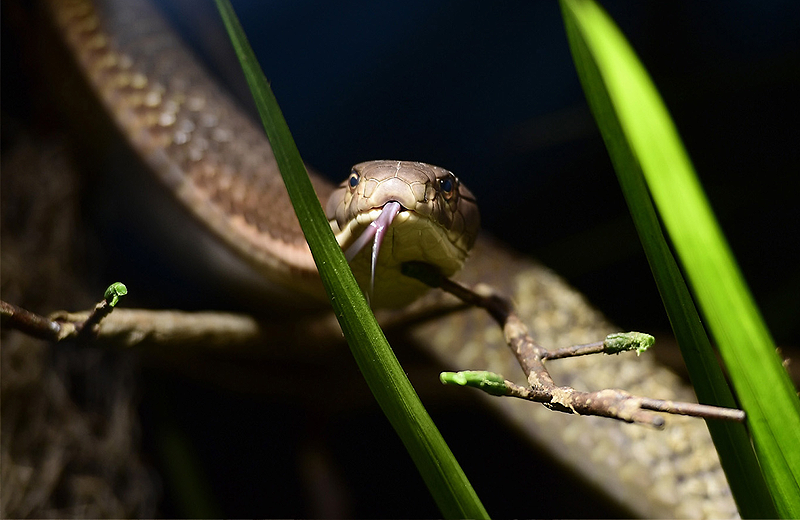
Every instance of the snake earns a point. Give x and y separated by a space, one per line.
219 166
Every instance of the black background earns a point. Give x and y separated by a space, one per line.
487 90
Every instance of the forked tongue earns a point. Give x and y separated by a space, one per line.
376 230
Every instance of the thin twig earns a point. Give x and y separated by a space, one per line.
613 403
15 317
693 409
53 329
168 329
495 384
613 344
576 350
86 330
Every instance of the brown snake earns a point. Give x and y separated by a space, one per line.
220 166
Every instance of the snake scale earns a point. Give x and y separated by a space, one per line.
220 166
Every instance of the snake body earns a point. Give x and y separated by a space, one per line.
220 166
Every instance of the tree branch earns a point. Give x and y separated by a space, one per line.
28 322
612 403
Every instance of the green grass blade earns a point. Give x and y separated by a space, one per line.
645 147
446 481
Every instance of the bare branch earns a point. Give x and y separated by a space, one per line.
613 344
612 403
162 330
128 328
28 322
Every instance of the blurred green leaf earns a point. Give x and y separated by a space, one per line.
650 161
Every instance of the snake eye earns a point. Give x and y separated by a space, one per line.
447 187
352 181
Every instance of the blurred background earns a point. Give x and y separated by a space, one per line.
487 90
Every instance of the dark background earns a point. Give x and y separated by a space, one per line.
487 90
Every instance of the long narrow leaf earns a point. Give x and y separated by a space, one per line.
446 481
644 144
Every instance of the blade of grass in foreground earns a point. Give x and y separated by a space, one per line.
644 145
446 481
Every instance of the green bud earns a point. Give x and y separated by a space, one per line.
489 382
114 292
623 341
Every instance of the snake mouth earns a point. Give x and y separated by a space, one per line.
375 232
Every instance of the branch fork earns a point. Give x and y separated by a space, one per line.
612 403
58 326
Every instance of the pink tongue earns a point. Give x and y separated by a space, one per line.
377 230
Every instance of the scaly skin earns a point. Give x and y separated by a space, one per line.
220 166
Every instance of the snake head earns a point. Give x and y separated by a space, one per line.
434 220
